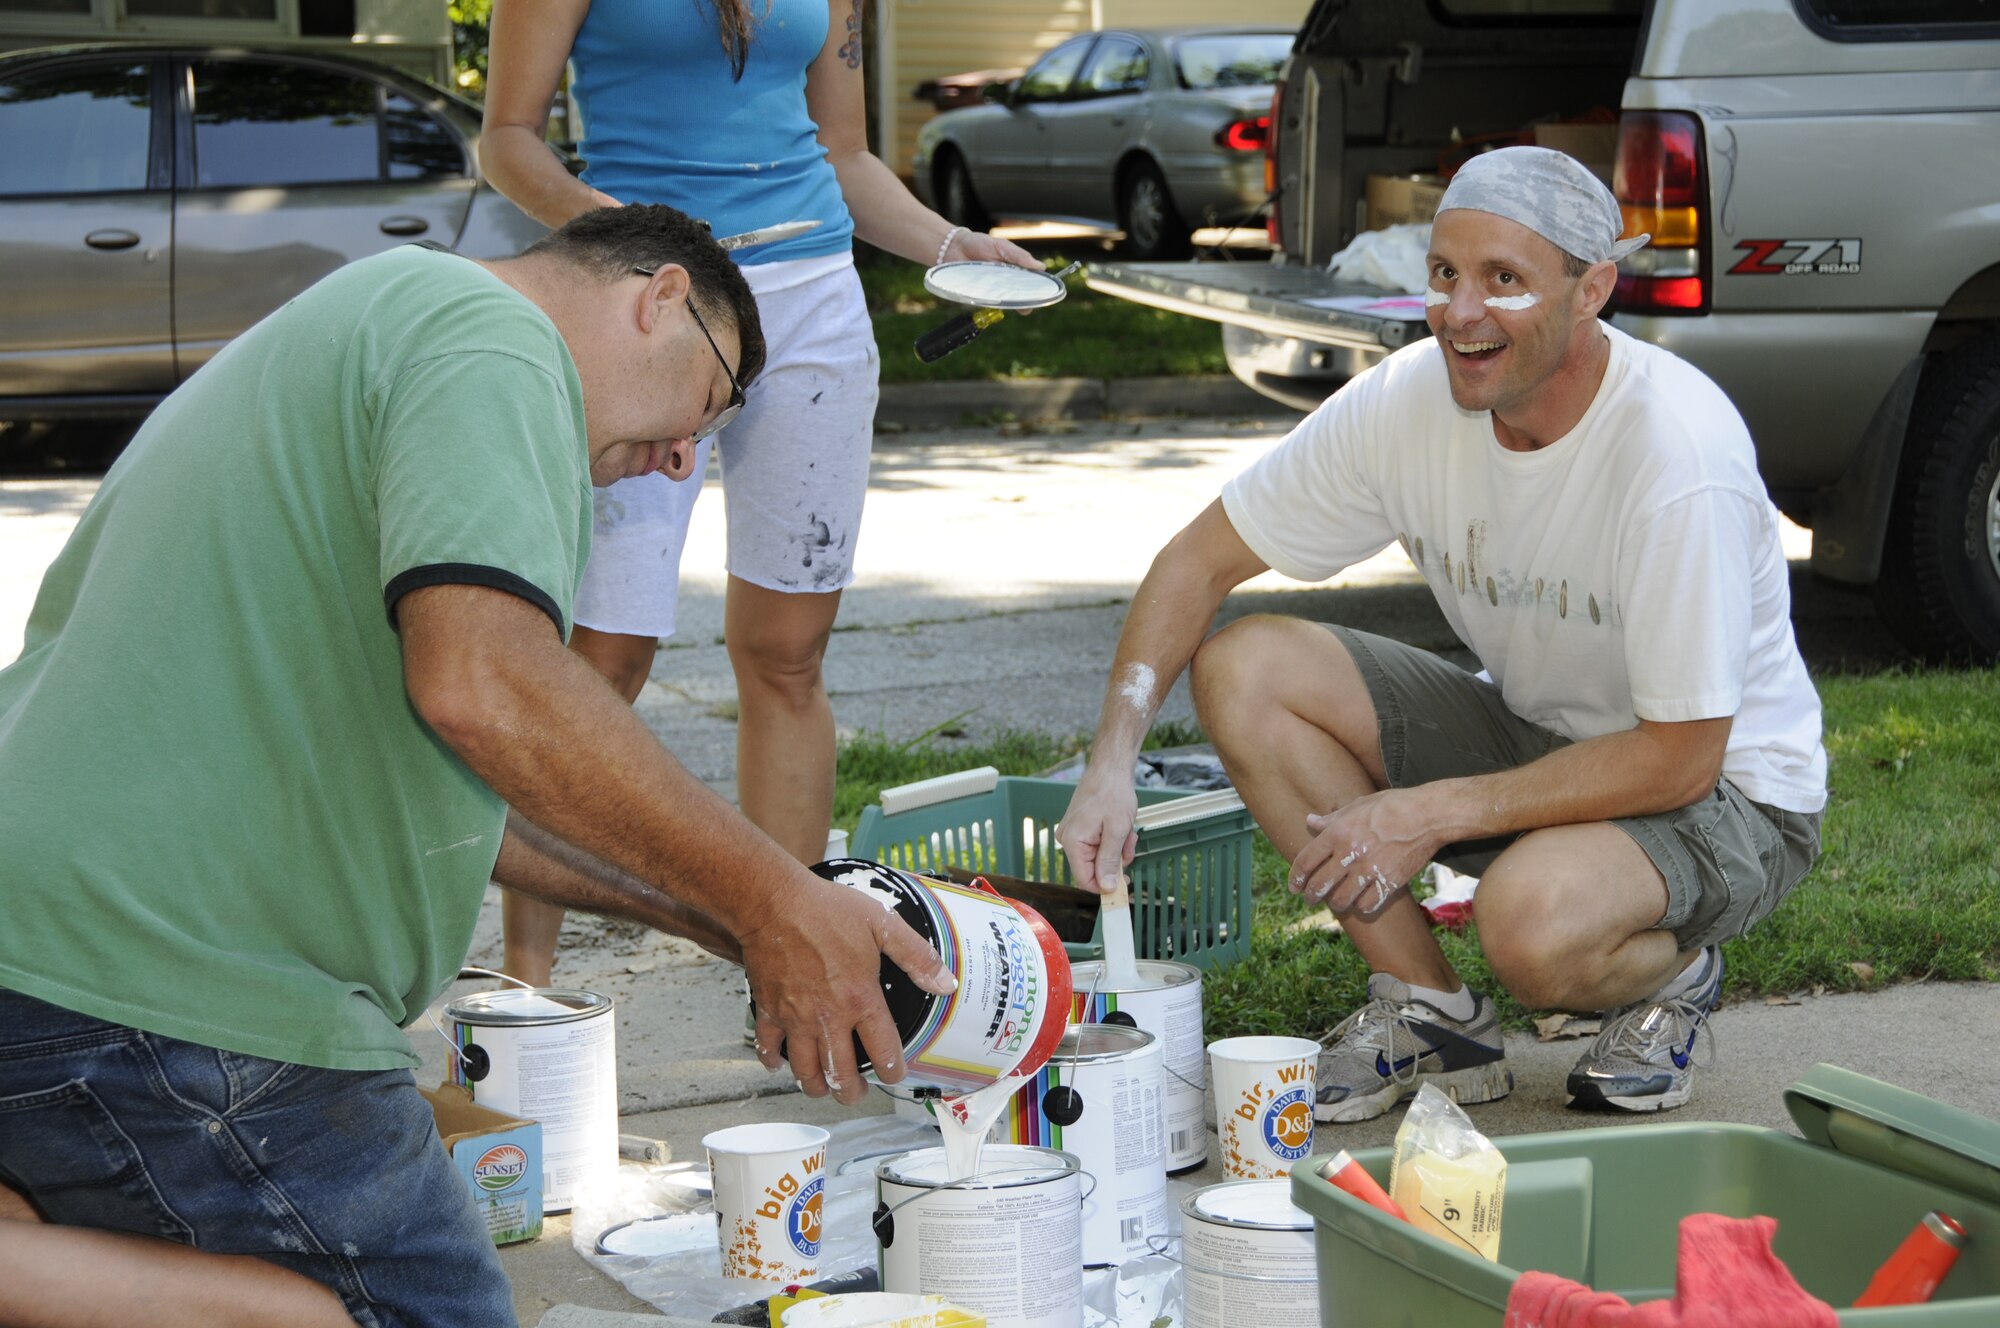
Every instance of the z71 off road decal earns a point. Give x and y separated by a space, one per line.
1790 258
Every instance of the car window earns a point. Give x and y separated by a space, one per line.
259 123
1236 60
76 130
1117 65
1902 20
1049 77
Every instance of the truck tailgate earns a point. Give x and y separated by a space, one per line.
1280 300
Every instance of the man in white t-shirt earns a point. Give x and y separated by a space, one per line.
1641 780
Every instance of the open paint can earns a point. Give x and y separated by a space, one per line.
1098 1099
1007 1242
1165 1002
1247 1258
1013 995
545 1055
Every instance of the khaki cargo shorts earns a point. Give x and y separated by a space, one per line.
1727 861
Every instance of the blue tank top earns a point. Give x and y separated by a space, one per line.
665 122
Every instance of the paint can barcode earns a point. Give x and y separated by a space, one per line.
1131 1229
1178 1143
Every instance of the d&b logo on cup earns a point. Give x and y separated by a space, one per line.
802 1219
497 1168
1288 1124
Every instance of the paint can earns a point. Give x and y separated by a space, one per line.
545 1055
1167 1004
1247 1257
1007 1242
1013 995
1098 1099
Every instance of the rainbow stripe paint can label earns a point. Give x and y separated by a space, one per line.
1013 995
549 1056
1098 1099
1247 1258
1008 1242
1167 1004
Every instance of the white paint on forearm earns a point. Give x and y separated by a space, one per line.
1137 689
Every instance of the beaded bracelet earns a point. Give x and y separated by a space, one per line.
949 236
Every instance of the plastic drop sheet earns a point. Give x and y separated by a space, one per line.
684 1277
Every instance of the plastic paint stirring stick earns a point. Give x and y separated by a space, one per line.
1121 960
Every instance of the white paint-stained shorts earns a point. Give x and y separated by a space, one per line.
794 463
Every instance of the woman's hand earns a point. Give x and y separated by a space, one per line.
980 247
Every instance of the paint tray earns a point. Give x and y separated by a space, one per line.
1190 878
1603 1206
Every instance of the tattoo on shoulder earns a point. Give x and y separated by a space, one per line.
850 50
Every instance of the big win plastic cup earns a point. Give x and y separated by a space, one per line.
1263 1103
768 1181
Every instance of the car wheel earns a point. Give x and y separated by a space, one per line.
1940 585
957 202
1146 213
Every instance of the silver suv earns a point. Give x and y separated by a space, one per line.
1819 179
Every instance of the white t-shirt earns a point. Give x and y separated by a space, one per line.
1629 570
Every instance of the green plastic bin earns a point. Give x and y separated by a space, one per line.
1190 879
1603 1206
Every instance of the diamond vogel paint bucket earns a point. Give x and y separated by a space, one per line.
1013 995
1247 1258
1098 1099
545 1055
1166 1003
1007 1242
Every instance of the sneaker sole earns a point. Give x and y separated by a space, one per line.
1646 1103
1481 1083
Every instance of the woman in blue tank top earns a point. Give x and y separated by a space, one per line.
747 113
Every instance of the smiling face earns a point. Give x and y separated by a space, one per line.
1519 335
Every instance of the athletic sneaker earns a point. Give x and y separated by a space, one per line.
1383 1052
1645 1058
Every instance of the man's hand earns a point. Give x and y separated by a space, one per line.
1096 832
813 975
1362 856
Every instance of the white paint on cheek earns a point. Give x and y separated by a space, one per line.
1433 298
1528 301
1137 688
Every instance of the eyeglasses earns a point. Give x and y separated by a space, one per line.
735 406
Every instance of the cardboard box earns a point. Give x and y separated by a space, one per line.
1595 145
500 1157
1393 200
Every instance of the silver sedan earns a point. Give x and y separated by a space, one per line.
1155 133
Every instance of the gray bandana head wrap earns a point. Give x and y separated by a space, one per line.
1551 193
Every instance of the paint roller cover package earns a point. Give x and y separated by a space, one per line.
500 1157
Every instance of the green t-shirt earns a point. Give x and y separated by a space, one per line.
220 817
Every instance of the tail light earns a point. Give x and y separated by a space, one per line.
1271 166
1658 181
1245 135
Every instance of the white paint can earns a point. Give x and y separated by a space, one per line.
1167 1004
1098 1099
545 1055
1247 1258
1007 1243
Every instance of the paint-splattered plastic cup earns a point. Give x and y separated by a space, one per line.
768 1184
1263 1103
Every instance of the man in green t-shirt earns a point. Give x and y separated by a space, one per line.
279 693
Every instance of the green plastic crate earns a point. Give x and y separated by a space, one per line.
1603 1206
1190 880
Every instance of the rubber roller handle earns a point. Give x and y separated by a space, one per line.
954 333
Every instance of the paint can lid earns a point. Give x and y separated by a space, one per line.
663 1233
1001 1166
524 1007
1264 1204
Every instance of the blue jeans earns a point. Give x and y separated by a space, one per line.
336 1174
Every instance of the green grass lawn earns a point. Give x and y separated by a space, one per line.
1908 886
1086 336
